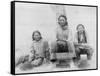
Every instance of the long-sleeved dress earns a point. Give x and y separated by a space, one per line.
66 37
39 51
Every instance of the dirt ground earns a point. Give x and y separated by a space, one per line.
84 64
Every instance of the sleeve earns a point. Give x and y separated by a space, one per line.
70 37
57 34
32 50
75 38
31 53
88 41
87 37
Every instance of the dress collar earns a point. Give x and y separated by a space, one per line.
37 41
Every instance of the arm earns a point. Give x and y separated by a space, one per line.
32 50
70 37
75 39
31 54
57 34
87 38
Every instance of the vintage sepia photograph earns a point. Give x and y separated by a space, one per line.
54 37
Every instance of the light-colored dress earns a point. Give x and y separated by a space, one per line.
39 50
66 36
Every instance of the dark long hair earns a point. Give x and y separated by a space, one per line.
79 26
84 34
66 23
34 33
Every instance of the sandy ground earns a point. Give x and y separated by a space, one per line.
91 64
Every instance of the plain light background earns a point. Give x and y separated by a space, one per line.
5 37
31 16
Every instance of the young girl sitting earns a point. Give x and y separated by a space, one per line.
81 43
39 52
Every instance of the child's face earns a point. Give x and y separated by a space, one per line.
37 36
62 21
80 28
